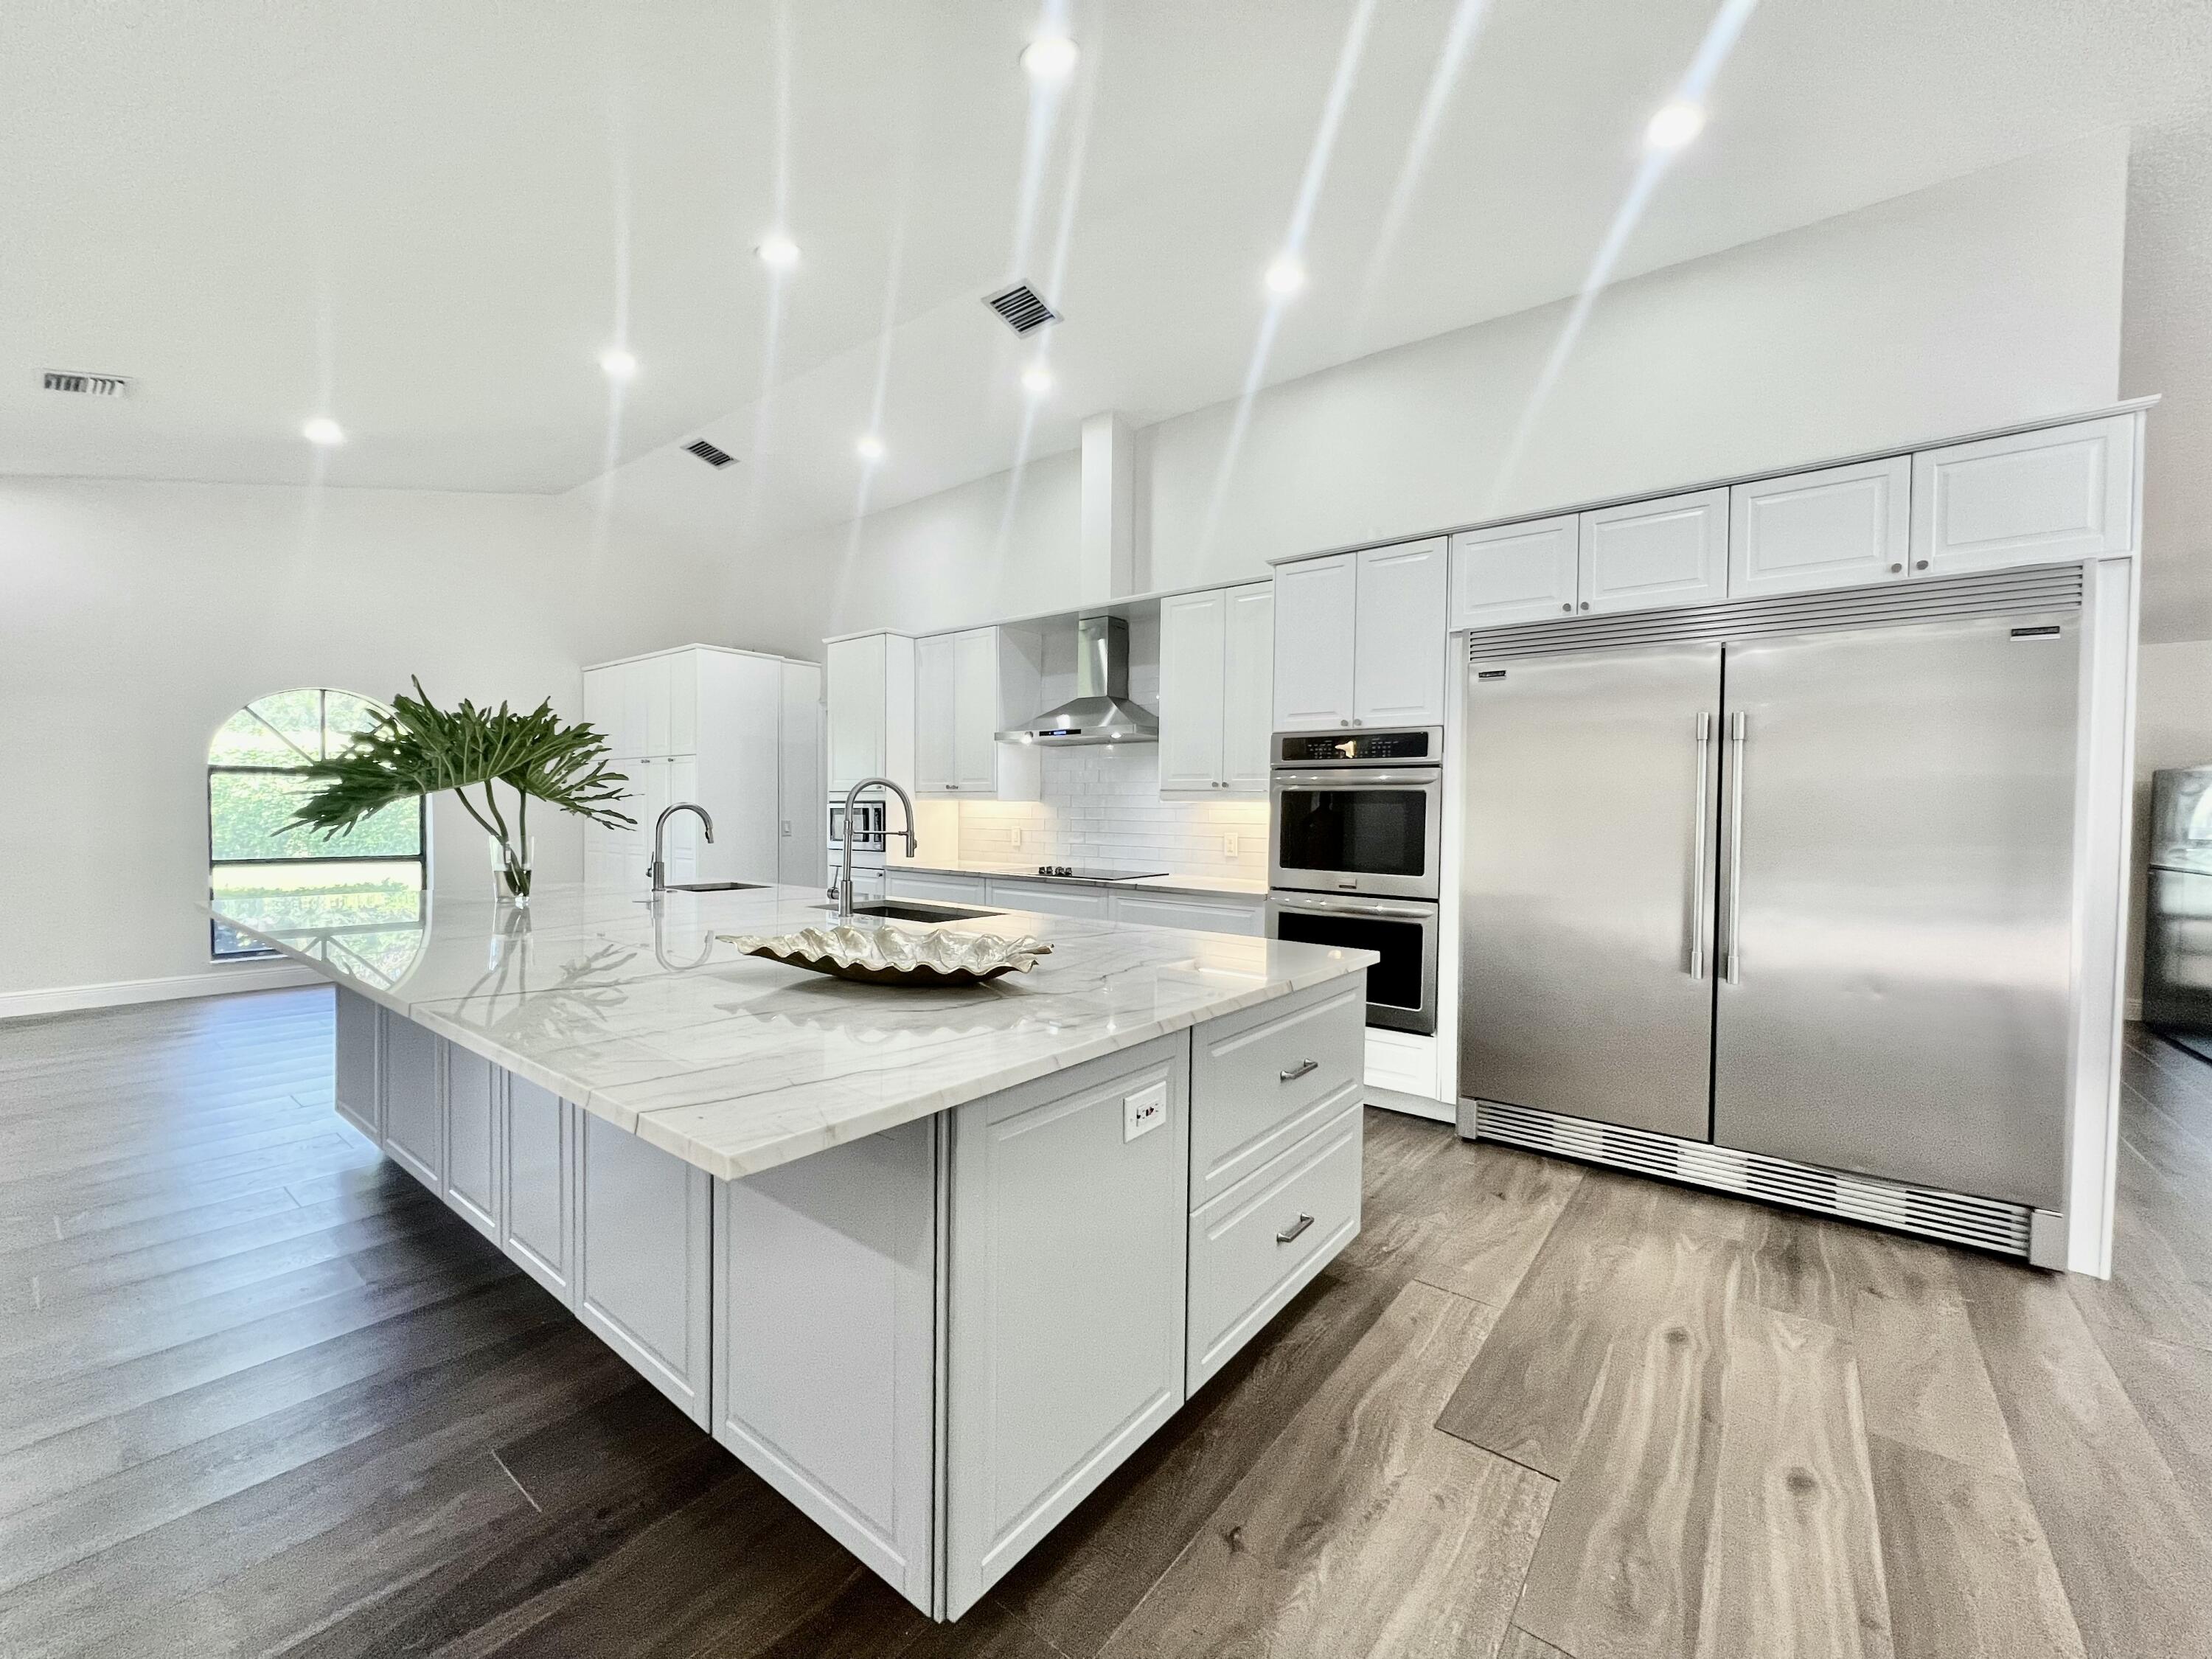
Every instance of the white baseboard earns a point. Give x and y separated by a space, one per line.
1396 1100
68 998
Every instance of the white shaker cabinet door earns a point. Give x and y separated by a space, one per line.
2066 492
976 711
642 1223
936 714
1067 1297
538 1214
472 1126
1516 573
1192 662
414 1120
1842 527
1649 554
1314 642
1399 633
856 710
603 703
359 1100
1247 684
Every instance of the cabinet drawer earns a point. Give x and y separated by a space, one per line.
1256 1247
1262 1079
1090 902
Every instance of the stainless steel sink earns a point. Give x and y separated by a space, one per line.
898 910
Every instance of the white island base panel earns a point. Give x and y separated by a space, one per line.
935 1340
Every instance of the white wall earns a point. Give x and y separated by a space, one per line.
1987 299
135 617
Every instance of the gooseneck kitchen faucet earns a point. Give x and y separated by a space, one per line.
841 889
660 871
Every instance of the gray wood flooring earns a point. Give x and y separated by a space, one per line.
259 1394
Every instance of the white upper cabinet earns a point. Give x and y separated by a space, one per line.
871 703
1359 638
1313 602
968 687
1217 652
1516 573
1399 670
1844 526
2062 493
1248 687
1649 554
1193 656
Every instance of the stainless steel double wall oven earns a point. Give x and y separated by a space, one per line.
1356 855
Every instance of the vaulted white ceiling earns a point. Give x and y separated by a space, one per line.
426 218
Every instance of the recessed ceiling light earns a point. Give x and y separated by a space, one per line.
1038 378
1675 126
1049 58
620 365
1286 274
323 430
871 447
778 252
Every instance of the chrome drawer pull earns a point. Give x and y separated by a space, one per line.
1297 1072
1294 1230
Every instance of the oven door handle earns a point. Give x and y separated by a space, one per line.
1428 777
1355 908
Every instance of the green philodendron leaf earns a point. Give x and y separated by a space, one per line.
423 749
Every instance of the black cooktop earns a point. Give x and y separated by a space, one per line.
1094 873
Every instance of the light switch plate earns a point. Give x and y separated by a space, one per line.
1229 846
1144 1111
1018 834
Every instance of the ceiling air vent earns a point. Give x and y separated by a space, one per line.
707 453
88 385
1024 312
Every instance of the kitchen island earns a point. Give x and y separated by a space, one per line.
933 1263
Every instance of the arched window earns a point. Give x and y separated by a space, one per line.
254 768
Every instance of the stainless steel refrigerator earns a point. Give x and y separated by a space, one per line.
2176 968
1793 877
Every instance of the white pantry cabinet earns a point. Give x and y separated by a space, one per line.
1842 527
712 729
1646 556
1360 638
1217 669
1516 573
969 687
2029 498
803 821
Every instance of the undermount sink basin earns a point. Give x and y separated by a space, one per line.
714 887
896 911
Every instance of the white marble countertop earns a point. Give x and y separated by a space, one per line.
638 1013
1240 886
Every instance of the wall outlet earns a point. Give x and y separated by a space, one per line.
1018 834
1229 844
1144 1110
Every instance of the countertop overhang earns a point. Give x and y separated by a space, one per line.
637 1012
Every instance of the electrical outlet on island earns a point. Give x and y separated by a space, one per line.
1144 1111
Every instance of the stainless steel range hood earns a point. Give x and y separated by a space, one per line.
1100 711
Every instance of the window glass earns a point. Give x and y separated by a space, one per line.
371 875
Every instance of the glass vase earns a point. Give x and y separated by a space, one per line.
510 869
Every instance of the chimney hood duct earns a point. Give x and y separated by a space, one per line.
1100 711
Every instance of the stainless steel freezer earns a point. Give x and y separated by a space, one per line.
1860 809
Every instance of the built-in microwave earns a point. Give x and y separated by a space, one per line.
870 821
1360 812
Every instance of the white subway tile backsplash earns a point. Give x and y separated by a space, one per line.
1101 806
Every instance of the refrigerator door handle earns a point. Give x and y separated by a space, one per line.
1731 964
1698 871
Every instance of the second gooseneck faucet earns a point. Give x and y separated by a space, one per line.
841 889
660 871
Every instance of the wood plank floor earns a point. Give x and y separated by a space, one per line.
259 1394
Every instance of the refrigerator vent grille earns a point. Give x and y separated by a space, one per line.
2051 588
1957 1217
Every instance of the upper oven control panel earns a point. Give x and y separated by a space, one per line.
1417 745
